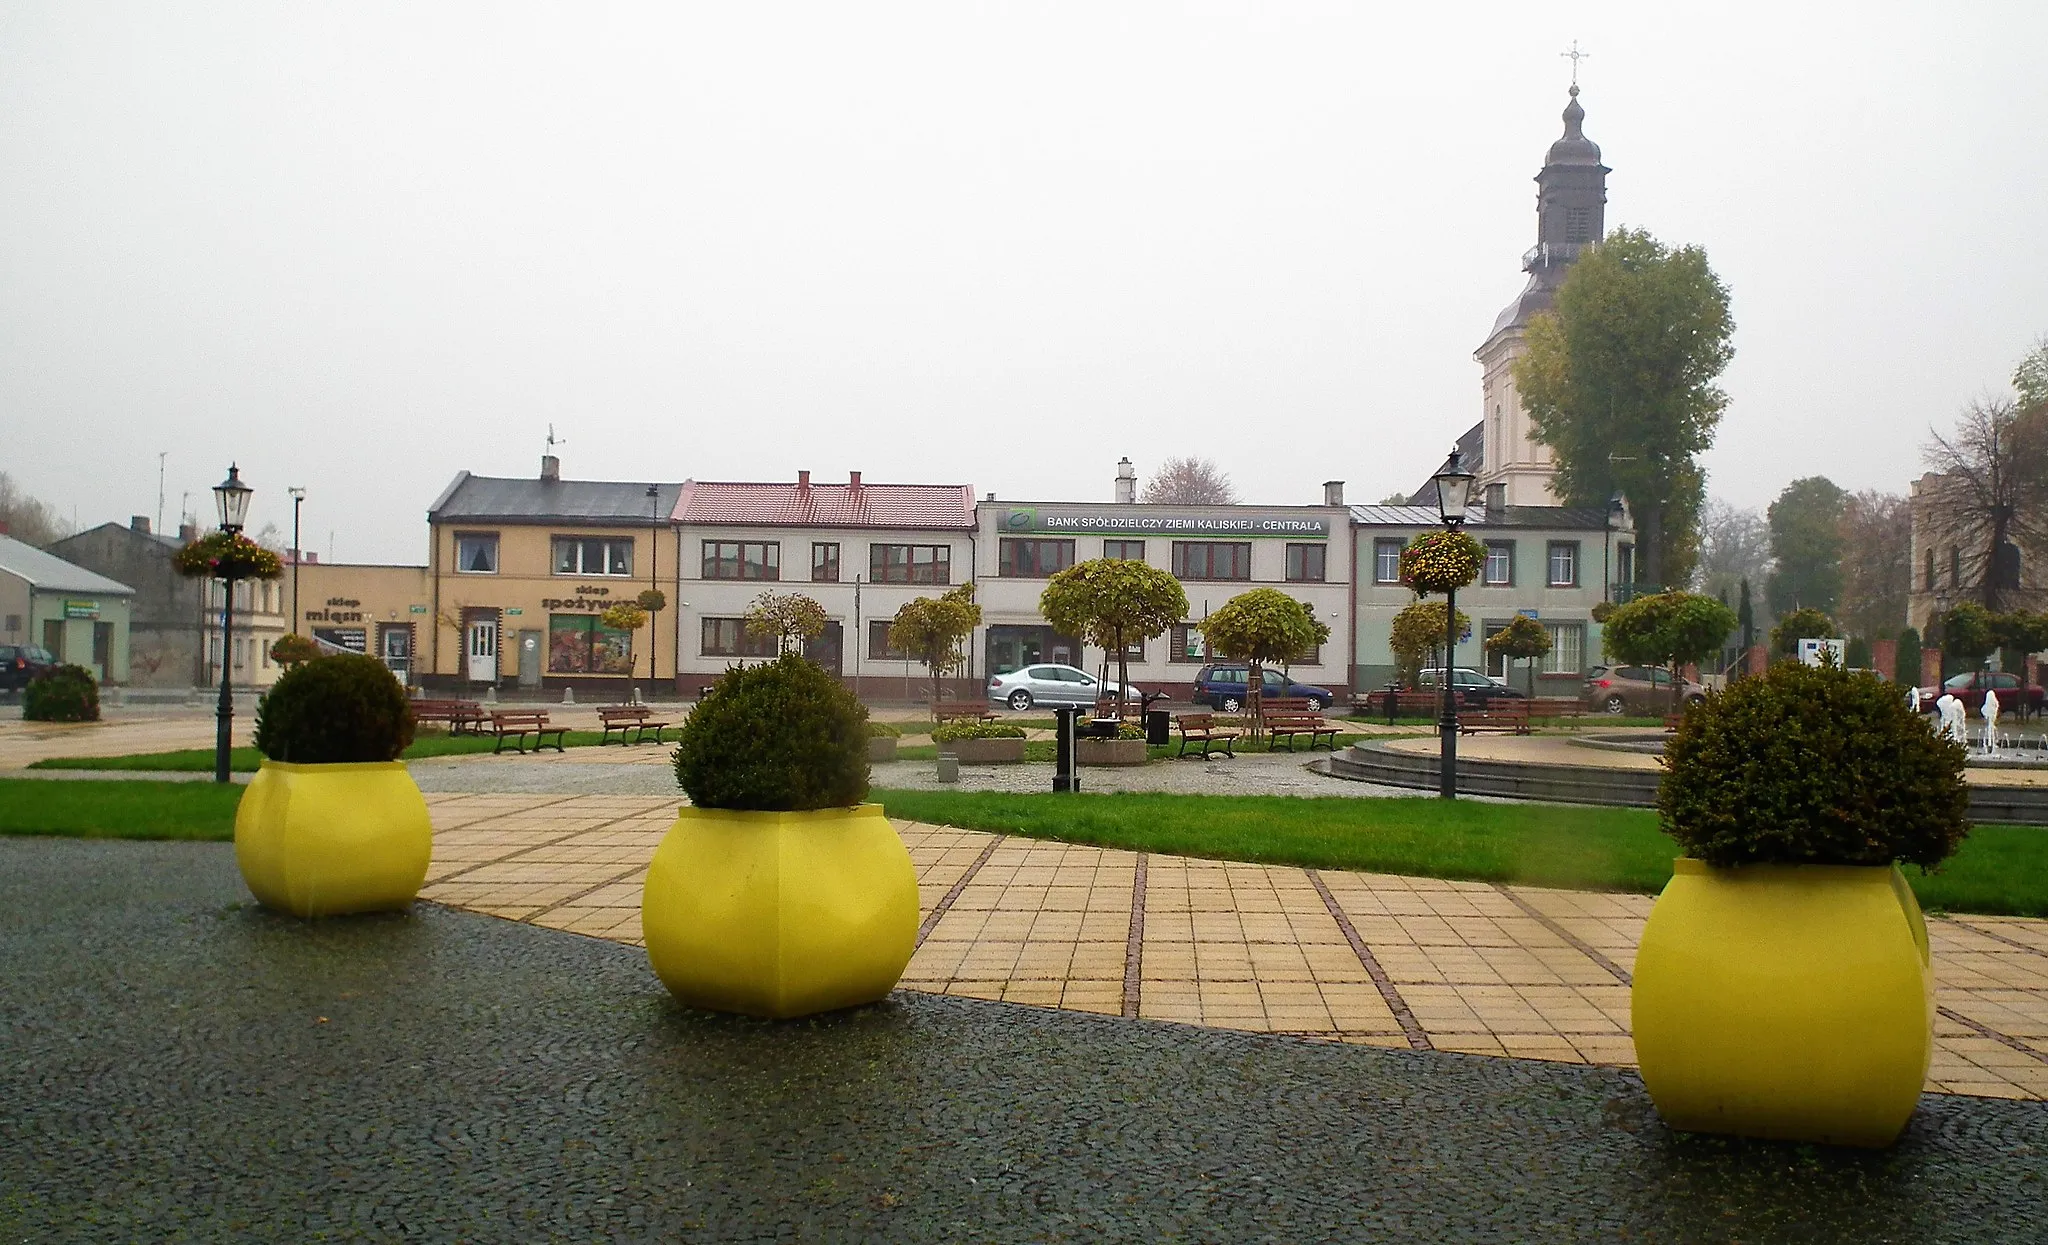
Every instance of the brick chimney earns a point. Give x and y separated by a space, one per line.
803 484
1333 492
853 481
188 532
1126 482
550 469
1496 500
139 523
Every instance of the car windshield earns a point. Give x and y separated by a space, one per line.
1959 682
40 654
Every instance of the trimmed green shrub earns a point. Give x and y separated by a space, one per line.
1908 671
62 694
334 710
975 730
884 730
1812 765
782 736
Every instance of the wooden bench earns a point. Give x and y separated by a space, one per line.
462 716
1501 714
622 718
1289 716
518 724
1557 707
962 710
1400 704
1201 728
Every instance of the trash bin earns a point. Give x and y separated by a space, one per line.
1158 727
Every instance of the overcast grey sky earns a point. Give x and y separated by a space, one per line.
360 247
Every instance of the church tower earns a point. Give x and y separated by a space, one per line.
1571 215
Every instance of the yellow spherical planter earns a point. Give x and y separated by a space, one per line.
780 914
1785 1001
323 840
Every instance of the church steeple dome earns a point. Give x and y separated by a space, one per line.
1574 147
1571 194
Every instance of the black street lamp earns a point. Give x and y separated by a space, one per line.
231 498
298 500
1452 481
653 580
1615 509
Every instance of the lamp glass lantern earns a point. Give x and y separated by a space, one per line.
1452 481
231 498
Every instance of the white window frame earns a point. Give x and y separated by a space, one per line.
608 545
1567 639
1380 547
1570 550
1506 550
462 538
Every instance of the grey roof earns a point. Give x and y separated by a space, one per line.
1471 449
590 503
51 573
1548 518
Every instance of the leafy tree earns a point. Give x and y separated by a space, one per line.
791 617
2030 378
1190 481
1619 380
1669 629
1734 544
1966 632
1877 562
1260 626
1523 639
1745 618
930 629
1989 494
1417 632
1113 603
1805 623
292 649
1908 669
29 520
1806 544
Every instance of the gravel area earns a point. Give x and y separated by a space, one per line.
176 1064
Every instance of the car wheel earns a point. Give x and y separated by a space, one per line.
1696 699
1315 704
1020 699
1230 704
1614 704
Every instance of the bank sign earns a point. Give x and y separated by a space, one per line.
1115 521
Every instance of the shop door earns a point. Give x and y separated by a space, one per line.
529 659
103 649
396 646
483 651
53 637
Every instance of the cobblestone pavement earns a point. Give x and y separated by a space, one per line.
177 1065
1410 963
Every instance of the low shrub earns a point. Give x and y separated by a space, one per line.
975 730
781 736
334 710
884 730
1812 765
62 694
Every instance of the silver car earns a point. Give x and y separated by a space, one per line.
1050 684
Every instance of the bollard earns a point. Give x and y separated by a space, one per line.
1066 769
949 767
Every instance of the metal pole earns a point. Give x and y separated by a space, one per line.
298 556
1447 767
224 716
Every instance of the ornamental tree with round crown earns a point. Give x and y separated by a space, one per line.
1113 603
1669 629
1261 626
1523 639
791 617
930 629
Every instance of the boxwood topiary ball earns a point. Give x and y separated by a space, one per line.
780 737
62 694
334 709
1812 765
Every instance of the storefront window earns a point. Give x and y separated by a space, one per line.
580 644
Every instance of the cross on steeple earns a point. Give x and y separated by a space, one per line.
1575 56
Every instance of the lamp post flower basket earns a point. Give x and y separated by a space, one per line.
227 555
1783 986
1441 561
1127 748
777 892
981 743
332 823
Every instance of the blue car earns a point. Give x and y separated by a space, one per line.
1223 688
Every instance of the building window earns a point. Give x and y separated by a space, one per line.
580 644
1305 563
1500 564
476 553
910 564
1496 663
1955 567
742 559
729 637
1624 563
585 556
1184 644
1028 559
1567 648
1212 559
1127 550
825 562
1386 561
241 652
1133 651
1564 563
1930 571
879 648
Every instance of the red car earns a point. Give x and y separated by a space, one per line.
1970 688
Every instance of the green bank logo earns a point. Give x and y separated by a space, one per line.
1020 520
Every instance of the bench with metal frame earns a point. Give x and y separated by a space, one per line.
1201 728
464 717
516 725
622 718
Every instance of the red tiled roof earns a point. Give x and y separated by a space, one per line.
827 505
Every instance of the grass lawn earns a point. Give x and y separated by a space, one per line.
247 760
136 809
2001 869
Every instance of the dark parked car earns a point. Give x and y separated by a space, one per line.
21 662
1970 688
1223 687
1474 688
1643 690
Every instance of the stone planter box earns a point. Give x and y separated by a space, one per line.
881 748
985 751
1110 751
